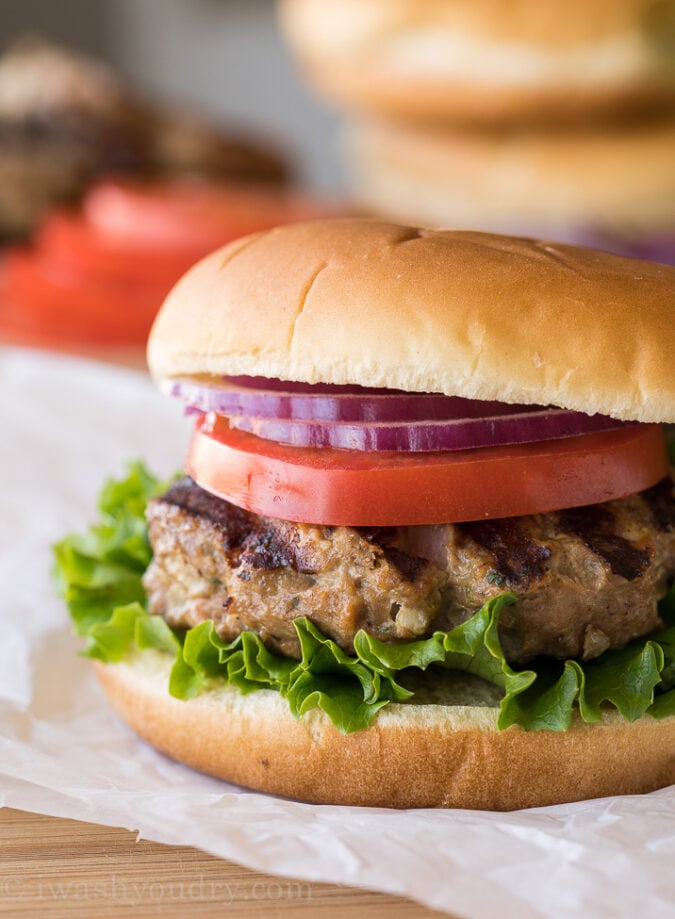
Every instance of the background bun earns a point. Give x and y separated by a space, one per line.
560 183
461 313
485 60
412 756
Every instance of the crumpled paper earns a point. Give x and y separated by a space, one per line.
68 424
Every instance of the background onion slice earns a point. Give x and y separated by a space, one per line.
652 247
461 433
256 397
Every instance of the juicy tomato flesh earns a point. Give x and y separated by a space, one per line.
348 488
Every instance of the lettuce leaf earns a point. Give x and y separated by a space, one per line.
101 569
99 573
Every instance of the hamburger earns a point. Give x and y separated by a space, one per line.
423 552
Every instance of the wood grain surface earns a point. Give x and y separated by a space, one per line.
61 868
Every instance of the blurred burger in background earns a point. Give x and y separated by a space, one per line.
66 119
106 200
553 119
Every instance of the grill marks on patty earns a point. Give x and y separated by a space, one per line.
245 571
594 526
587 579
234 523
245 537
518 560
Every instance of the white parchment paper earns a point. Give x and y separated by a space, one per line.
64 426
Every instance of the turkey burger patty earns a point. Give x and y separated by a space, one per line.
587 579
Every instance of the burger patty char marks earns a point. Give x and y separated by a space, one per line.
215 561
517 558
587 579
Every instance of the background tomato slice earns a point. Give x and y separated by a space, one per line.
67 242
101 274
344 488
61 304
196 215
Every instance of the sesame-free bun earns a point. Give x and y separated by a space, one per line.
461 313
486 60
565 183
412 756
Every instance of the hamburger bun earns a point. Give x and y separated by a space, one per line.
563 184
412 756
461 313
486 60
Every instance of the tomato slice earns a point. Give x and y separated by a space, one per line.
71 308
345 488
67 242
191 214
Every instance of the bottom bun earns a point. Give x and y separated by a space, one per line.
412 756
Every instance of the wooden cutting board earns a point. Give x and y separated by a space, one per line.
61 868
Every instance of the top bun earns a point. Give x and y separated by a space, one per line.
486 60
462 313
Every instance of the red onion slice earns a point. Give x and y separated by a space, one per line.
246 396
358 418
461 433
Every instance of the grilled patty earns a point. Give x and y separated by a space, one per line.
587 579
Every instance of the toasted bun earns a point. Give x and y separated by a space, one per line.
562 184
486 59
412 756
467 314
